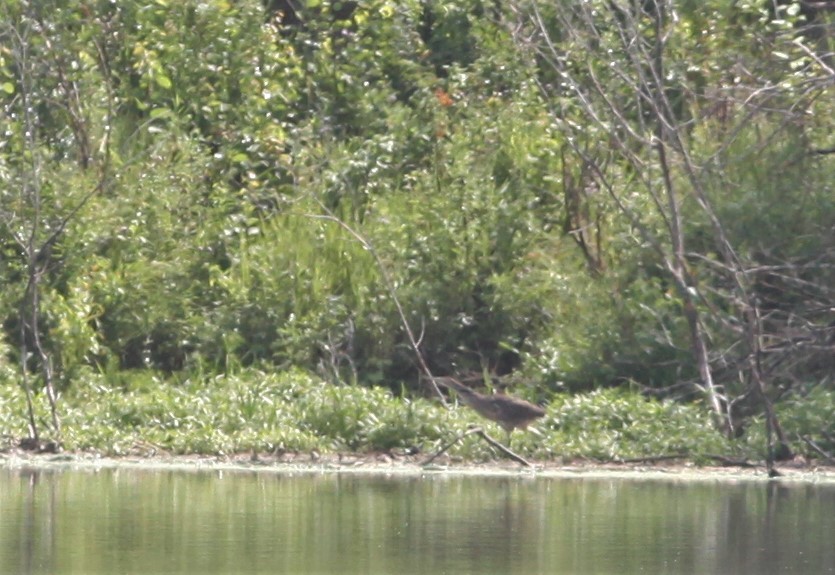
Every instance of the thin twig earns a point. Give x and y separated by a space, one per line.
652 458
329 216
458 438
479 431
818 449
504 449
728 462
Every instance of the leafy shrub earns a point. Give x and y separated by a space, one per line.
618 424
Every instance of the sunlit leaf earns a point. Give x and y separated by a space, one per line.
162 80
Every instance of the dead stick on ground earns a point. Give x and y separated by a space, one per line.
651 458
729 462
818 449
506 450
479 431
458 438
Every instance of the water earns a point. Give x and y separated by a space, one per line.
131 521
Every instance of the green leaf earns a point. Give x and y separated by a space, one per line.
8 87
160 113
163 81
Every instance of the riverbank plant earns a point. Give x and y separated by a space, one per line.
608 195
294 412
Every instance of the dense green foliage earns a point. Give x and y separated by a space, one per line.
171 176
296 413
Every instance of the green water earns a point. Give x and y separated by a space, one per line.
131 521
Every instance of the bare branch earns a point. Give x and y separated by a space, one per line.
389 284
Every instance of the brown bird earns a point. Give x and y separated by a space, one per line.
509 412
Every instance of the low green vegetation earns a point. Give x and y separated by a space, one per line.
138 413
220 220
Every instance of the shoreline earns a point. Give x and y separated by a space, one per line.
410 466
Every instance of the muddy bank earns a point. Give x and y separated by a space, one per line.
410 465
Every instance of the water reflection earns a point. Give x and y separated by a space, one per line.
130 521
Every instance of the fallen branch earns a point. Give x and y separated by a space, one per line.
652 458
503 448
728 462
479 431
818 449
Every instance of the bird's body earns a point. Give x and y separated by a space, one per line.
509 412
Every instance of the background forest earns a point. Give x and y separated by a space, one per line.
213 213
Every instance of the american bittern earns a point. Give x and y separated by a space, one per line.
509 412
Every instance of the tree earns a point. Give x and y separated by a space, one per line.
45 119
650 110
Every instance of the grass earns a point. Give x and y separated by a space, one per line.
293 411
